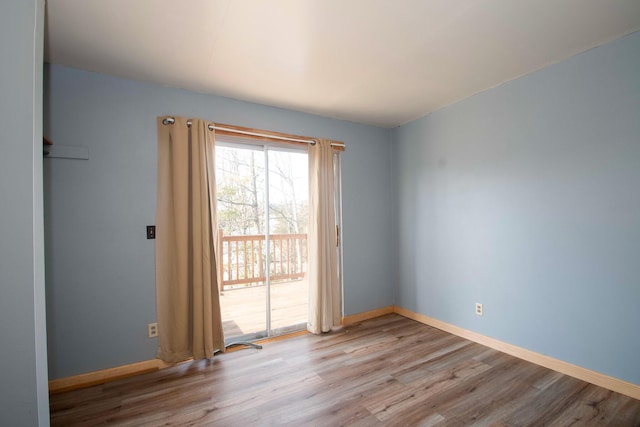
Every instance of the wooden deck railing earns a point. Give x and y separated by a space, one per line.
243 258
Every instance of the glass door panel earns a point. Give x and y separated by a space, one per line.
262 239
241 242
288 197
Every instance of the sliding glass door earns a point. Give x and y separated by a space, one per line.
262 220
288 219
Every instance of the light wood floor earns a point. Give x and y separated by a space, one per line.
384 371
244 309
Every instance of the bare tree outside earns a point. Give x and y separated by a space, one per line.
240 183
240 177
288 178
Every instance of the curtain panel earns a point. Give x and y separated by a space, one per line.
188 307
325 296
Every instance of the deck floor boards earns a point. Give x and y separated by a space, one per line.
244 309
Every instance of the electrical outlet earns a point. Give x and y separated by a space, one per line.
153 330
479 309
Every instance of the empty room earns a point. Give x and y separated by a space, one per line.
307 212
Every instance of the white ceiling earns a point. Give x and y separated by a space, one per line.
381 62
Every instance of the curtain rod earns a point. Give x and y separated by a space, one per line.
171 120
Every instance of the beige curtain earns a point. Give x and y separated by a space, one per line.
188 308
325 300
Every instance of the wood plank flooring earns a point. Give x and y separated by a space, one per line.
384 371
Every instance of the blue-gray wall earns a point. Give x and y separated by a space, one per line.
100 267
526 198
24 399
